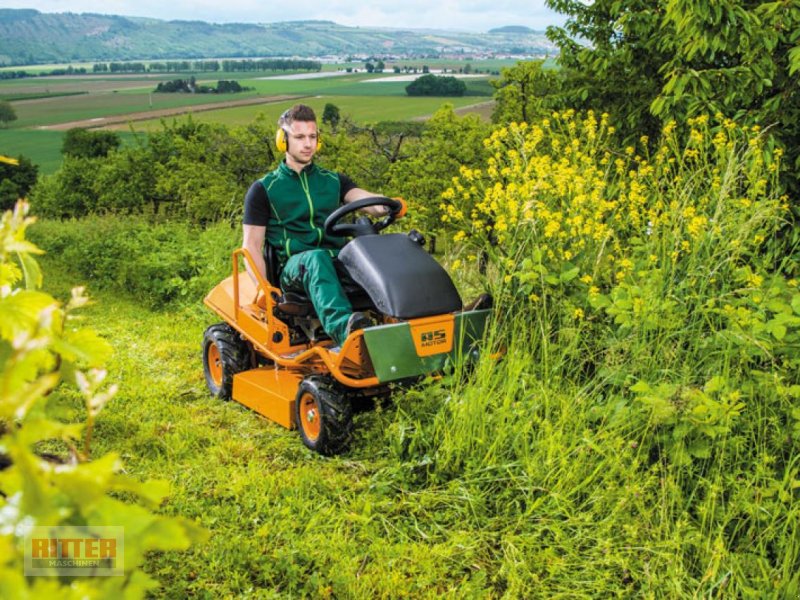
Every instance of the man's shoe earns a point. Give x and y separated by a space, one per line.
358 320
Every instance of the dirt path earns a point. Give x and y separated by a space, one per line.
164 112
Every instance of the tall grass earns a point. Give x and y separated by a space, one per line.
642 433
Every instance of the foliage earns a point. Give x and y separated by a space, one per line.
43 351
644 241
190 86
429 169
16 181
7 113
331 115
647 63
187 170
526 92
85 143
436 85
653 344
157 264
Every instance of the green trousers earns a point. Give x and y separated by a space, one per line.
314 273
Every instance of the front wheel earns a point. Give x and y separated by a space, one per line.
324 416
224 355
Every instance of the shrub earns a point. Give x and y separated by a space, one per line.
155 264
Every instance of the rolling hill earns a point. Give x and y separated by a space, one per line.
28 37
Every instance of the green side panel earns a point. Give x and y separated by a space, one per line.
394 356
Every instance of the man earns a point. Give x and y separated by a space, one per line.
288 208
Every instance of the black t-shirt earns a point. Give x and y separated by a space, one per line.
256 201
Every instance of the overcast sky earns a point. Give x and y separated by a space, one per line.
464 15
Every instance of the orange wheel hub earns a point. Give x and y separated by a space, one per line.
309 416
215 364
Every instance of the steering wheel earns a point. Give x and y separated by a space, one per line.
363 226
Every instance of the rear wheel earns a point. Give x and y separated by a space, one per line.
324 416
224 355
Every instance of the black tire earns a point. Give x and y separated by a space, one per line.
323 415
225 353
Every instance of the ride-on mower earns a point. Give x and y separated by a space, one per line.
272 355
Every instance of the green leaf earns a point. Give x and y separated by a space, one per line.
83 346
20 312
700 448
37 430
715 384
33 274
569 274
152 491
796 303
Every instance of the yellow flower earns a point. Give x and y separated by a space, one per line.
578 314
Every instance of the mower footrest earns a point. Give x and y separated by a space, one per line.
268 391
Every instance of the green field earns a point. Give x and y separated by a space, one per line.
361 109
88 97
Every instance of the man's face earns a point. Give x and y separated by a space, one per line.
302 141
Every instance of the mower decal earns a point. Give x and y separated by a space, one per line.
433 336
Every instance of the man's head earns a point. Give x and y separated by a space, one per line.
297 135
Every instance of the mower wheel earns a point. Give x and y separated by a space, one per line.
324 415
224 355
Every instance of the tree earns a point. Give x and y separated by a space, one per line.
16 180
649 62
331 115
432 85
84 143
526 91
435 160
369 67
7 113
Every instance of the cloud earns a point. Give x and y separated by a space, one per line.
466 15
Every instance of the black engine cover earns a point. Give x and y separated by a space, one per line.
401 278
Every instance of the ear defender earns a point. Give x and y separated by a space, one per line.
282 139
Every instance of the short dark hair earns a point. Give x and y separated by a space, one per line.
299 112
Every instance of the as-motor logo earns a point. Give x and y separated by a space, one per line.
433 338
433 335
75 551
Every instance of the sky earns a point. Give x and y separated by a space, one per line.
461 15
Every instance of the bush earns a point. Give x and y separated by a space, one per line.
156 264
83 143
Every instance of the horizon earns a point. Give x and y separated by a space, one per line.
479 16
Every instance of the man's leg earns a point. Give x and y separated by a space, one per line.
313 272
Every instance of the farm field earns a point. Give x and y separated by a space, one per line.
362 109
361 96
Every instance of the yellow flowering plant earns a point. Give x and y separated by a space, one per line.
629 240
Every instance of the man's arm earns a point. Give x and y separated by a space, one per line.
358 194
254 244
